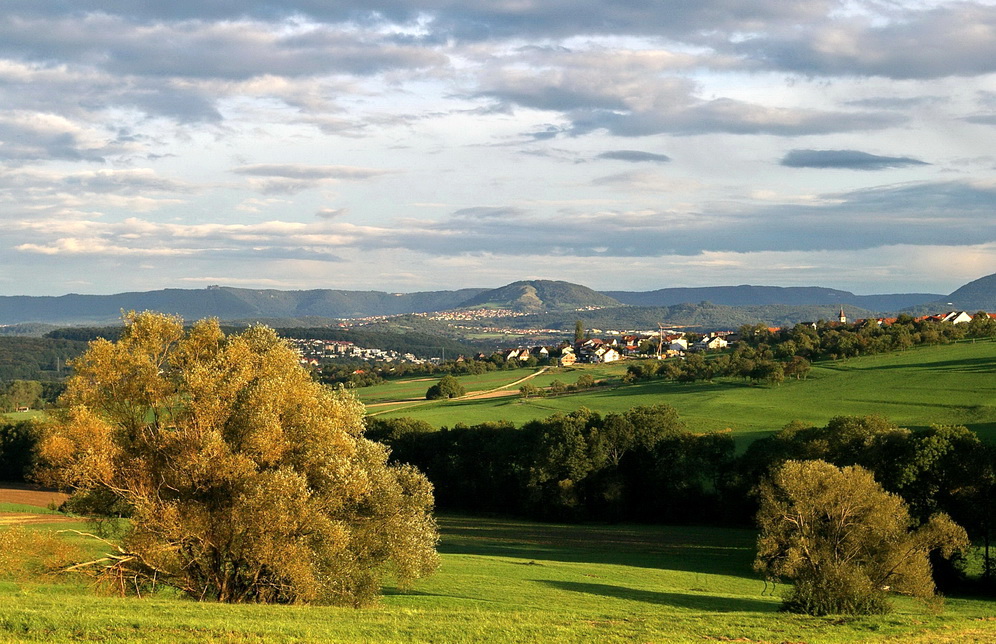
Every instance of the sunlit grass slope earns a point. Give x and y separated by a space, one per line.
948 384
507 581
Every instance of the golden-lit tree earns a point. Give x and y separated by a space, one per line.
843 541
246 480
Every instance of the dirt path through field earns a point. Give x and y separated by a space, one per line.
25 518
504 390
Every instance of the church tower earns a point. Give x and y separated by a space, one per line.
842 318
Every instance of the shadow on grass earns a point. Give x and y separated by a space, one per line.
722 551
659 386
965 365
711 603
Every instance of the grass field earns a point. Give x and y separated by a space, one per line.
507 581
15 416
948 384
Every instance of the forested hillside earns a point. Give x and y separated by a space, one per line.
746 295
703 315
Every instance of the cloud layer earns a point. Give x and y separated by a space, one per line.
421 144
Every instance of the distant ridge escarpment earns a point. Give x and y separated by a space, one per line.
226 304
535 297
746 295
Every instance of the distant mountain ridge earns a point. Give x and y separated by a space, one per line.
533 297
747 295
226 303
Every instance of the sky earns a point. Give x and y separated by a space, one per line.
416 145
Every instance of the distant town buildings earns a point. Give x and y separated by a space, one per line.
613 345
316 352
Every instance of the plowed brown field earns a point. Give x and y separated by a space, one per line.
30 495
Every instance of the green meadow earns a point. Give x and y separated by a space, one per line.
505 581
945 384
15 416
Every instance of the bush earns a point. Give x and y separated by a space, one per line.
447 387
17 444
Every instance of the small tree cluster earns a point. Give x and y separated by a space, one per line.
447 387
743 362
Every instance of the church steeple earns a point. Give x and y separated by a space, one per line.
842 318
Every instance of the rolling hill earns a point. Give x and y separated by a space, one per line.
538 296
977 295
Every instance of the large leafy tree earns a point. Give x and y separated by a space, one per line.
246 480
843 541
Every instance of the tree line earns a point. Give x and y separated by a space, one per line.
770 355
346 373
643 465
832 340
32 394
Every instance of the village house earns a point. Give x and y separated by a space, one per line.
954 317
567 357
598 352
711 343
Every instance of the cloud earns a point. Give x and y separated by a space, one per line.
125 181
331 213
982 119
952 213
952 39
634 156
629 95
640 181
233 50
310 172
473 20
732 117
33 194
293 178
845 159
116 109
488 212
136 237
896 103
27 136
